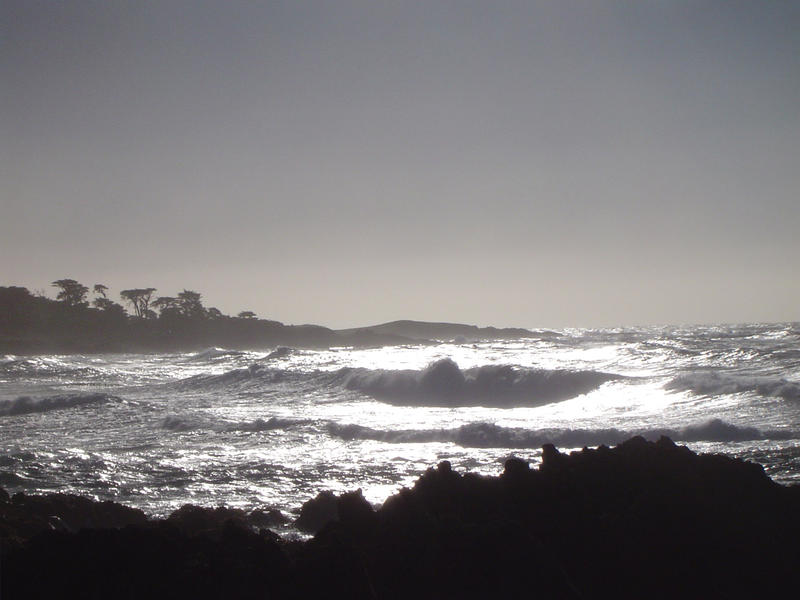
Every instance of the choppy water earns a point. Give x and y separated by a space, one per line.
253 429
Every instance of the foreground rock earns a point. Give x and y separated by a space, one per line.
327 508
23 516
639 520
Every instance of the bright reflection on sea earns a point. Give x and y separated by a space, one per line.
272 428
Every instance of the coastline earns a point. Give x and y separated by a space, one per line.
254 335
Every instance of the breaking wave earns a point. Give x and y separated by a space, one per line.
266 424
280 352
192 423
214 353
253 373
26 404
489 435
709 384
173 423
442 383
36 368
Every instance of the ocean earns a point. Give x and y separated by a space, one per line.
272 428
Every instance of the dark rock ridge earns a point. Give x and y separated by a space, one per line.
643 519
446 332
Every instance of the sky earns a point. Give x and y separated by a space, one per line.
534 164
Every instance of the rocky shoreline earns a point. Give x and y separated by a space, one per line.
642 519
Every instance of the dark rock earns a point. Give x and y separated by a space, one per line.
25 516
157 561
515 468
353 508
267 518
551 457
317 512
194 520
639 520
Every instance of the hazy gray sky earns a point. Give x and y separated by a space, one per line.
510 163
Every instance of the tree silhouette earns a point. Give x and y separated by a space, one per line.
72 293
139 299
111 308
166 305
104 303
190 304
34 322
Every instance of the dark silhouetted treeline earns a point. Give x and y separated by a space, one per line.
81 320
75 323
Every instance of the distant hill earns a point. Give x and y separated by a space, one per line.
445 332
33 324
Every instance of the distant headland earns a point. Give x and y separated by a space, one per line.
81 320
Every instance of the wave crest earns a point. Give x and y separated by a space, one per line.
26 404
280 352
234 377
43 368
193 423
489 435
266 424
442 383
214 353
709 384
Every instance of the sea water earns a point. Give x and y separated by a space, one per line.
272 428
